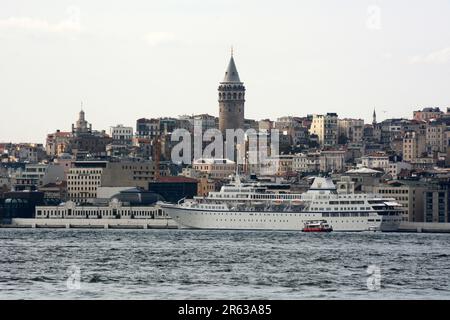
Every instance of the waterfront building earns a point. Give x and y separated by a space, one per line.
114 209
436 206
409 194
86 176
83 181
20 204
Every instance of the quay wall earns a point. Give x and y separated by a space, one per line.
425 227
162 223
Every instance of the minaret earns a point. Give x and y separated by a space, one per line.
374 118
231 99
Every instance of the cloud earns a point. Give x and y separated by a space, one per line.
71 24
158 38
436 57
37 25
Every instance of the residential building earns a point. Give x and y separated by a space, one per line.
427 113
57 143
332 160
215 168
306 162
147 128
413 146
325 127
350 130
436 136
31 178
376 161
122 135
395 168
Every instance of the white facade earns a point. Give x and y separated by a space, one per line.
332 161
396 167
122 135
113 210
375 161
306 162
82 184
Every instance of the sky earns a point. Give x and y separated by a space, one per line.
149 58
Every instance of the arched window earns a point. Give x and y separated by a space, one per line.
229 95
234 95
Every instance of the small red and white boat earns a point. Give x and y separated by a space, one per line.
317 226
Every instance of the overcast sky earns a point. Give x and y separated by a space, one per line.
149 58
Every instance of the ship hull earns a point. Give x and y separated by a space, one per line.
263 220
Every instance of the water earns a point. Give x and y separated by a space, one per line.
197 264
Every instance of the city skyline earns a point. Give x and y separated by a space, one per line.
165 61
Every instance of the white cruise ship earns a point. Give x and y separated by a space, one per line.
253 206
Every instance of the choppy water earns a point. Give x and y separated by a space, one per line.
183 264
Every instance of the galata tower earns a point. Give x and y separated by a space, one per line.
231 99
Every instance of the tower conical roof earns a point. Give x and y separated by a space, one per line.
231 75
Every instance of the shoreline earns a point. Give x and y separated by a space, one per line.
167 223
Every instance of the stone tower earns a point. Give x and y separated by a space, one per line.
374 118
231 99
